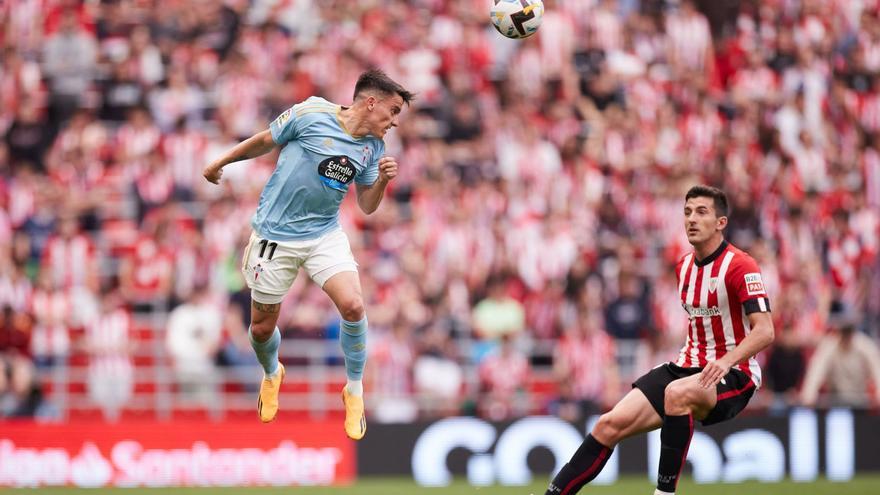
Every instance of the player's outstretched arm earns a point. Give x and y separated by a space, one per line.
370 196
761 336
252 147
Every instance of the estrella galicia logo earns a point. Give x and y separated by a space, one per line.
337 172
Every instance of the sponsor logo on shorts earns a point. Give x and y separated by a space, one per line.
754 285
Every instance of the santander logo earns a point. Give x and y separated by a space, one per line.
90 469
130 464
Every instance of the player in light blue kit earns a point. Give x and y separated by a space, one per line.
324 148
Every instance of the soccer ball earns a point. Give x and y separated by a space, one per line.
517 18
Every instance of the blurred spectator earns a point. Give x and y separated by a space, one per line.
146 273
628 315
193 339
69 258
389 374
178 101
20 393
438 378
690 40
504 379
799 329
15 333
846 363
28 137
496 316
52 308
122 92
108 344
69 62
585 367
784 371
236 353
15 287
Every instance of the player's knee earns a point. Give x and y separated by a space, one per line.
263 325
609 429
352 309
262 331
678 398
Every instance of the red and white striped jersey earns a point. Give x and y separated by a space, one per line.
185 152
871 173
108 339
689 38
869 112
137 141
502 374
392 359
584 355
69 260
718 293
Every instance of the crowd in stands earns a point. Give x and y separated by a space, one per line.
536 219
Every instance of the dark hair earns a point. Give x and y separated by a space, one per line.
378 80
717 195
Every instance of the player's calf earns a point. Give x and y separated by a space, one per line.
353 337
675 438
684 400
586 463
273 374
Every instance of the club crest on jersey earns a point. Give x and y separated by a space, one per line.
754 285
367 155
713 284
337 172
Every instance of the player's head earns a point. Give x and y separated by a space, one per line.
705 213
381 99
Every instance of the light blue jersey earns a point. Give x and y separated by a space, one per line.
319 160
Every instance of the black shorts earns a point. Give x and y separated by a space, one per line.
734 391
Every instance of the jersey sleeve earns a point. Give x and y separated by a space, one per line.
285 127
744 282
371 169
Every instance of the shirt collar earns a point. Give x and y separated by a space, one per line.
712 257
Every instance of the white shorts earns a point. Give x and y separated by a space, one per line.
270 267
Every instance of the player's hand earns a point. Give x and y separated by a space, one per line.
213 172
714 372
387 168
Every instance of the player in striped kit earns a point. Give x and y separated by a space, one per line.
715 374
325 150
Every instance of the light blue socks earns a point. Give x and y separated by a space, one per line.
267 352
353 338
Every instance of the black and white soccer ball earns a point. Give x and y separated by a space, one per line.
517 18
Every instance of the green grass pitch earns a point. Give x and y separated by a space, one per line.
862 485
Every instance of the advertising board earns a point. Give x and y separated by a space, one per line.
802 445
175 454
